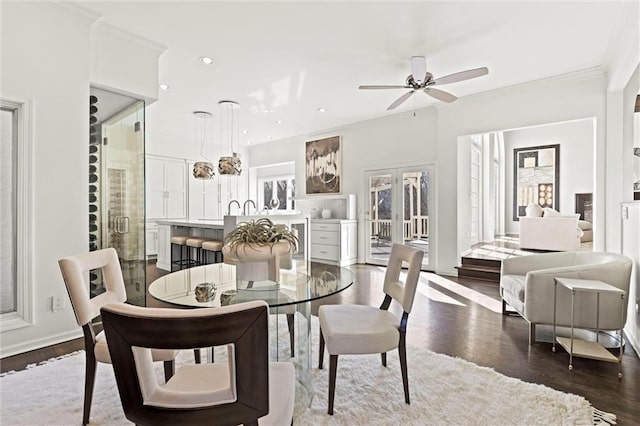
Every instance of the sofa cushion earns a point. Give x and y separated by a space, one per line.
513 284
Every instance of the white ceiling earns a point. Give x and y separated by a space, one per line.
294 57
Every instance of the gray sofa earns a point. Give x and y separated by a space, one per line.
527 285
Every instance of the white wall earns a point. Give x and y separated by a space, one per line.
53 71
576 160
46 58
393 141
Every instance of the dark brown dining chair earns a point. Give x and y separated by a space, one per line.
244 389
75 271
359 329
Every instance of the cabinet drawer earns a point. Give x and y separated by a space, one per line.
323 251
325 237
334 227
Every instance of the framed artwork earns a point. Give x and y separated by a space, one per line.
584 206
323 164
536 173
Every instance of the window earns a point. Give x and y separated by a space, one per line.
281 188
15 210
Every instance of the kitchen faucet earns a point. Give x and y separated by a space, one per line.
244 207
229 206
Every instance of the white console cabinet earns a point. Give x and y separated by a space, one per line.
334 241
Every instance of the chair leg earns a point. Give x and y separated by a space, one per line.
321 351
383 355
169 369
89 381
532 333
291 324
333 367
196 355
402 351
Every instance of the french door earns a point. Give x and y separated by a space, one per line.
400 210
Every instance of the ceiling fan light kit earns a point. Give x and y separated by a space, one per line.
422 80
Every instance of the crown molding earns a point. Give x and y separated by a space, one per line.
70 9
112 30
570 77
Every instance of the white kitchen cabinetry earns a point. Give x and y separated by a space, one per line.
334 241
166 188
164 247
151 239
204 198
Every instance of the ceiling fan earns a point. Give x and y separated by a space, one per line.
422 80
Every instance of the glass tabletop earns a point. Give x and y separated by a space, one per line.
215 285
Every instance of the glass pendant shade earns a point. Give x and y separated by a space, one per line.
230 164
204 169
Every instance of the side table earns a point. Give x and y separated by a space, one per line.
583 348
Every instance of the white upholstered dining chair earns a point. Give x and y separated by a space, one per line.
246 389
358 329
75 271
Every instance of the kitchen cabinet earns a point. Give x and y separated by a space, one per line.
334 241
166 188
151 239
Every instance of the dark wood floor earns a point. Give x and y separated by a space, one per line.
463 319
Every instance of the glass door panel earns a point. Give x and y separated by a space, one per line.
379 217
121 188
399 204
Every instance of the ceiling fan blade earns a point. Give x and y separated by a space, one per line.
367 87
462 75
418 68
440 95
400 100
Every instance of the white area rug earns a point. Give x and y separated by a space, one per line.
444 390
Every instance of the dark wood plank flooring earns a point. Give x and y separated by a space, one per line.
463 319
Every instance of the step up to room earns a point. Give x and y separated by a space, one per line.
480 269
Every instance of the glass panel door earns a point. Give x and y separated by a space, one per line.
120 183
400 203
378 218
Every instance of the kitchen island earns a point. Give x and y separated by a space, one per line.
217 229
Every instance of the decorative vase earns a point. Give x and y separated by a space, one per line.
257 262
205 292
313 213
326 214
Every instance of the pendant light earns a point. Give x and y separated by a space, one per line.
203 169
229 164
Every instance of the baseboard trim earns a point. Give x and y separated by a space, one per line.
33 345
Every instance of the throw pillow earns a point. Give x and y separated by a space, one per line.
584 225
533 210
549 212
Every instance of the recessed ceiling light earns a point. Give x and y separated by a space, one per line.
322 110
267 111
206 60
278 121
268 137
245 131
165 87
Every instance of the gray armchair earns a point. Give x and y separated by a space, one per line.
527 284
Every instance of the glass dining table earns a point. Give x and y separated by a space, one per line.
289 304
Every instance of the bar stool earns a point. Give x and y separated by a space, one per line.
185 260
214 246
196 243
